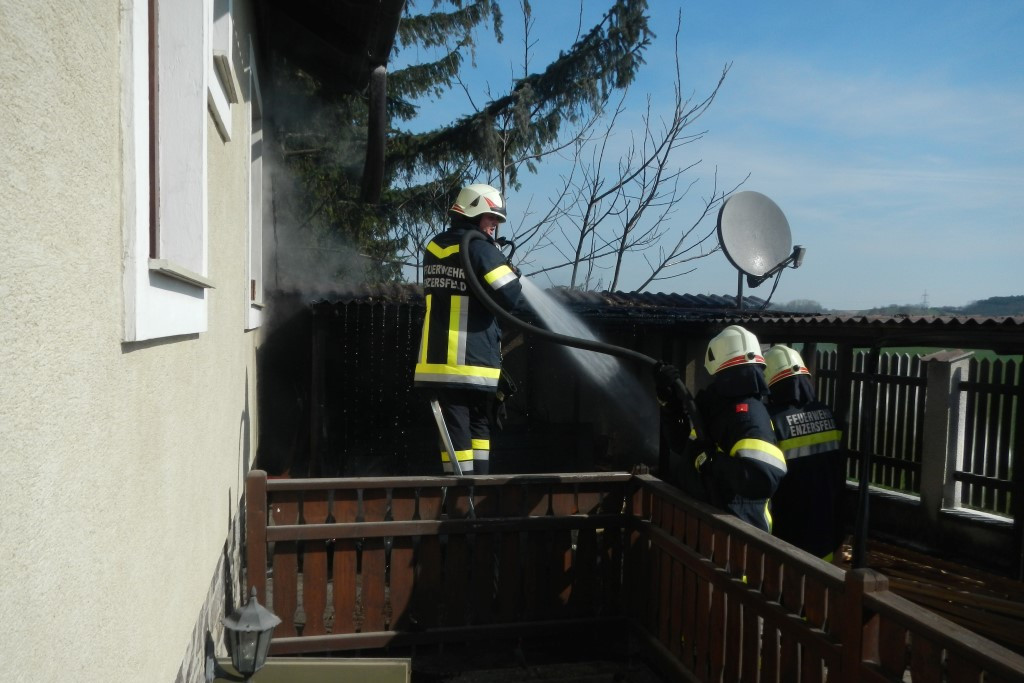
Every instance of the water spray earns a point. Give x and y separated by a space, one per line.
565 340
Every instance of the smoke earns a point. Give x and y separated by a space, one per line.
626 407
312 154
303 256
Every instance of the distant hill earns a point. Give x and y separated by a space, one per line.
996 305
992 306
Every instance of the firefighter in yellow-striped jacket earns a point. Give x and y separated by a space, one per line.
808 505
459 360
742 465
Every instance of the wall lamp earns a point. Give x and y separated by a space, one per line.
249 630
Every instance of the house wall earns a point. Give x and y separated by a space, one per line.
121 464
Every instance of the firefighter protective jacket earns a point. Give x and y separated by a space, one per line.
807 508
746 465
460 345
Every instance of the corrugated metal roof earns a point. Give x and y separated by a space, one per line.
402 293
710 311
659 300
370 293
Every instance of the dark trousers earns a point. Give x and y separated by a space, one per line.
466 414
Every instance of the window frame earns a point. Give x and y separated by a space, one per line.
165 168
254 301
223 87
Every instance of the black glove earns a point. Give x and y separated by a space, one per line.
506 389
498 413
506 386
515 270
666 376
702 462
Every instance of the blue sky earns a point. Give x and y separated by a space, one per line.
891 134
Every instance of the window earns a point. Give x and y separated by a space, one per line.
254 271
223 88
165 200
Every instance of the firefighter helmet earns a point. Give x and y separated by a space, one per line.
479 200
732 346
783 362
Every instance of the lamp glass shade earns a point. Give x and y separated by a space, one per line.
263 647
250 630
245 655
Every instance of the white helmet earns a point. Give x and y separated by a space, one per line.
783 362
731 347
477 200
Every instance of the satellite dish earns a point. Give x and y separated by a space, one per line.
755 237
754 233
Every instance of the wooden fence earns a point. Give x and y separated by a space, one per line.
376 564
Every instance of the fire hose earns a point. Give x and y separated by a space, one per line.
679 388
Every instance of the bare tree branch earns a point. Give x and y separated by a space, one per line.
608 210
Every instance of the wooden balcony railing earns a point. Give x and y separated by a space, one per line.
381 563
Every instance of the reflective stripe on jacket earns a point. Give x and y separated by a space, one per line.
460 344
809 430
760 450
748 467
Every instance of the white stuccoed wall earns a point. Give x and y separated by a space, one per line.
120 464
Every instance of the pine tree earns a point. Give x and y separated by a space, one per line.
424 169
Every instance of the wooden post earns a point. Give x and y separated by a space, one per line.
868 409
1018 477
859 630
844 387
810 356
945 414
256 534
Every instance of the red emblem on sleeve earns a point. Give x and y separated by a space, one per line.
742 408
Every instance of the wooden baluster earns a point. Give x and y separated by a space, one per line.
716 617
535 567
892 648
925 659
815 611
612 549
771 587
403 568
314 565
661 578
427 589
769 663
587 574
752 625
563 504
703 645
345 511
771 581
792 600
482 591
588 568
675 594
456 561
690 618
510 571
959 669
374 564
485 548
589 562
734 611
284 507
